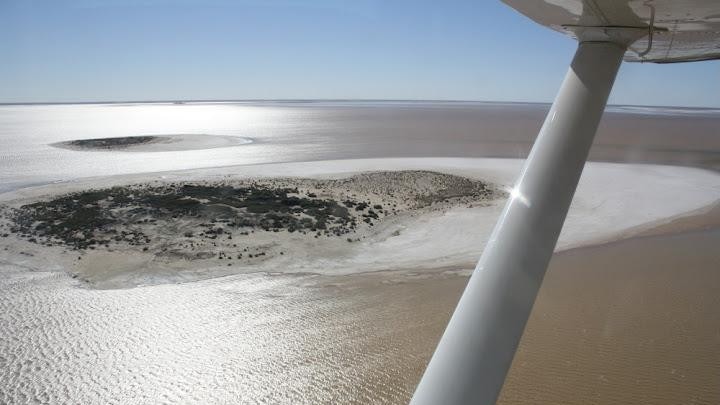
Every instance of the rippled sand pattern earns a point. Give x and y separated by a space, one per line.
250 339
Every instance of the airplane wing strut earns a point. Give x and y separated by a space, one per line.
475 352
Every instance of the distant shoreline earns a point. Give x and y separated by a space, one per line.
358 101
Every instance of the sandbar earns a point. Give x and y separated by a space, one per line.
612 201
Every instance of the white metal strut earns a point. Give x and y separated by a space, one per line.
475 352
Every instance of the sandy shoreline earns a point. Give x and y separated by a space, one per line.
612 201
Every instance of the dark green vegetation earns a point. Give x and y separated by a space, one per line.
237 220
110 143
119 214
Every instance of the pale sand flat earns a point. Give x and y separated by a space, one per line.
612 200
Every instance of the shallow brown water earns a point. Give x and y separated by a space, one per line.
631 322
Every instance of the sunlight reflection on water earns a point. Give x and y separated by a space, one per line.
26 133
241 339
308 131
216 340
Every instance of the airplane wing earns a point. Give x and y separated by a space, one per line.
669 30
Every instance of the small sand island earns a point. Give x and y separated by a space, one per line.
240 223
111 143
153 143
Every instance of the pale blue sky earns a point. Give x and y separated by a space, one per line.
113 50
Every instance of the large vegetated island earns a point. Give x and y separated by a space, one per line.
242 222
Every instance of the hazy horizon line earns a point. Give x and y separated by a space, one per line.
311 100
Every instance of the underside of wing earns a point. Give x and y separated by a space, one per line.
663 31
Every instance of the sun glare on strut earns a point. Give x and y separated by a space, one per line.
516 195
